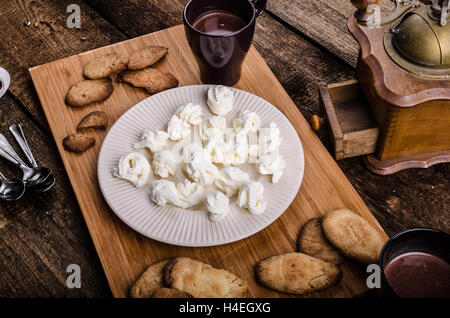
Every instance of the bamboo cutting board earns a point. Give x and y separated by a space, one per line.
124 253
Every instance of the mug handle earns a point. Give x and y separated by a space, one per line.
259 5
5 79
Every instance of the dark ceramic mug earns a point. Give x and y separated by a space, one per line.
220 57
422 240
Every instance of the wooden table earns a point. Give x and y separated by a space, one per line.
303 42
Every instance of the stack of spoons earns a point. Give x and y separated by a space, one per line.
34 177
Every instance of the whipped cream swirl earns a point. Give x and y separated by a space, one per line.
190 113
177 128
251 197
153 139
134 168
230 180
165 163
220 100
218 205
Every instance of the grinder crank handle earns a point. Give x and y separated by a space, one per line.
366 9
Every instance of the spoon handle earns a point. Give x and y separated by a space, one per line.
8 152
2 177
17 132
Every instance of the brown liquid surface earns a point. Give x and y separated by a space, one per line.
419 275
218 23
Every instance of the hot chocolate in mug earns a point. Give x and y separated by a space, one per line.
220 33
4 81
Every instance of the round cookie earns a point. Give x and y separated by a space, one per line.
353 236
311 241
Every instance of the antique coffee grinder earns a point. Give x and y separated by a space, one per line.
403 72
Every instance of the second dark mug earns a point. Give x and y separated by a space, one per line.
220 56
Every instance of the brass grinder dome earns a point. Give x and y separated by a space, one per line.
420 44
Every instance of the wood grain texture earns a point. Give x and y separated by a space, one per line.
324 22
386 167
46 38
124 253
351 125
40 235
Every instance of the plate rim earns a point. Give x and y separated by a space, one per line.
301 173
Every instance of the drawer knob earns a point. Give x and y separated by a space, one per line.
316 122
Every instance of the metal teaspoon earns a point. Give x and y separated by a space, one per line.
17 132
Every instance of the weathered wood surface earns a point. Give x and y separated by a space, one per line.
41 235
46 38
408 199
324 22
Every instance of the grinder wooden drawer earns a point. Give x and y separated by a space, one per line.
352 127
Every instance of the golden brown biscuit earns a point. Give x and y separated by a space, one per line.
105 65
311 241
170 293
297 273
153 80
146 57
150 280
89 92
95 120
353 235
202 280
78 143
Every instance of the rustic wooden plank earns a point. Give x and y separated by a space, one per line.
46 38
40 235
324 22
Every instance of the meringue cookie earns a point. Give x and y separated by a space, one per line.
190 113
177 128
164 191
271 164
153 139
218 205
165 163
189 192
230 180
220 100
134 168
213 127
251 197
247 122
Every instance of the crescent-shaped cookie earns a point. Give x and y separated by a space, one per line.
202 280
296 273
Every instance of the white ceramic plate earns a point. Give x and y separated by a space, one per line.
177 226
